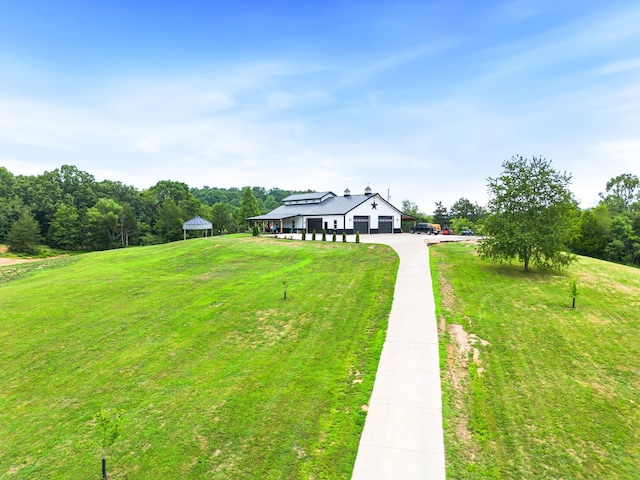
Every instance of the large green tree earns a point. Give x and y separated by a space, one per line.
104 223
24 235
248 207
221 218
621 193
440 214
10 211
65 230
625 243
532 215
593 233
6 182
463 208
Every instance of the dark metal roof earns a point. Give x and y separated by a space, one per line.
330 206
306 196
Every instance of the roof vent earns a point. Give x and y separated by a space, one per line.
367 191
347 193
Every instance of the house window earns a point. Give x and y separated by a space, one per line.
335 224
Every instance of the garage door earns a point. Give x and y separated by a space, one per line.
314 224
361 224
385 224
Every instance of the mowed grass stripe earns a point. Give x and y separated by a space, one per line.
217 375
555 392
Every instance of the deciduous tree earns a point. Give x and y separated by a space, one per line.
104 223
532 215
65 227
621 192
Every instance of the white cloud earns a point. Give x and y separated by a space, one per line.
620 67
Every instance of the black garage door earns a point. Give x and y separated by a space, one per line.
314 224
385 224
361 224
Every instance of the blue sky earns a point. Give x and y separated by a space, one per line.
420 99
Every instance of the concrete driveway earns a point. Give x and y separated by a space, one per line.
403 436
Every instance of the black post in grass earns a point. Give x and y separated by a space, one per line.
284 284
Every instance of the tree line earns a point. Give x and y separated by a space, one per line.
67 208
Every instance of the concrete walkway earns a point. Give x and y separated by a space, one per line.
403 436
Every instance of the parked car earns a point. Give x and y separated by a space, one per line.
447 231
466 232
421 228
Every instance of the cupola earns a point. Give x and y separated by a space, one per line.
367 191
347 193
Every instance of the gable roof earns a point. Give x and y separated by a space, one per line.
331 206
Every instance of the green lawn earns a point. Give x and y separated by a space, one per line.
217 375
552 392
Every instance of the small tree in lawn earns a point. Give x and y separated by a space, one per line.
255 231
357 237
333 238
324 235
573 286
344 237
532 215
313 234
109 426
304 234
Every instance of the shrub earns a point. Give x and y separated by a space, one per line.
357 237
324 235
333 238
304 234
313 234
344 237
255 231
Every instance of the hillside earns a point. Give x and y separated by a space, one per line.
215 374
531 387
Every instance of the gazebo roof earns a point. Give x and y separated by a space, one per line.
197 223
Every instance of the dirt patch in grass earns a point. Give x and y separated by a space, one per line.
460 353
448 298
14 261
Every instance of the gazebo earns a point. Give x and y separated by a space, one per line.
197 223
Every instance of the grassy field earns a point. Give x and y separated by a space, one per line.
531 387
216 375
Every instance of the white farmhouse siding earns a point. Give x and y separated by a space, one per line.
368 213
375 209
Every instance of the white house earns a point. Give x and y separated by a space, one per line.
368 213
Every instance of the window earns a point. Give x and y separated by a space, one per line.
335 224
